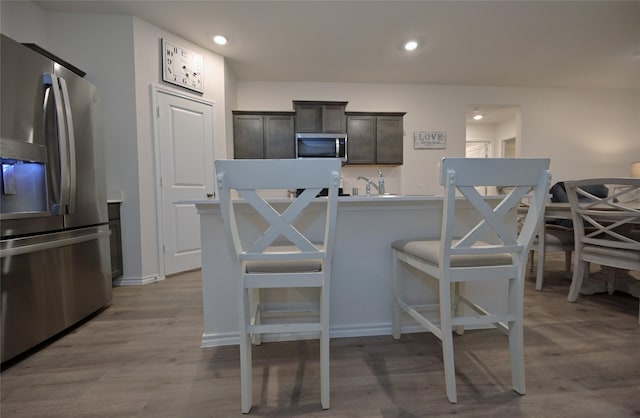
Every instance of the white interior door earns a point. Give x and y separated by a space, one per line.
477 149
184 132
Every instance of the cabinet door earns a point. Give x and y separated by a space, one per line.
333 119
279 141
361 131
389 140
248 136
308 118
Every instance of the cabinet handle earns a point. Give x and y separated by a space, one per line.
210 195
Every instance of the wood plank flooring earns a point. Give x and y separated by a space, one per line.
141 357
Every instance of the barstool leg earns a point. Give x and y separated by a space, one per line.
447 341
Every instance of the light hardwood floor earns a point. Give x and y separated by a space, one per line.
141 357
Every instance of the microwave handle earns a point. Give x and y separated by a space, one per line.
337 147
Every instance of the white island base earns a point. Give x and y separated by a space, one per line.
361 287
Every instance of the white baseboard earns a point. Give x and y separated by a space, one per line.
137 281
217 340
344 331
368 330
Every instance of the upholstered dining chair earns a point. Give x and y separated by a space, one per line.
285 251
551 238
605 228
492 249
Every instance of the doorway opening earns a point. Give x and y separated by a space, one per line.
497 126
508 148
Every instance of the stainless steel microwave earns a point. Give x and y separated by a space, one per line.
321 145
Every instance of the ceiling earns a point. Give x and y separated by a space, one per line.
559 44
491 114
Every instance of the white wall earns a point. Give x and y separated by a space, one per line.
23 21
147 41
506 130
586 133
589 133
102 45
230 89
121 55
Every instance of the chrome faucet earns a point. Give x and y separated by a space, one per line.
368 186
379 187
380 183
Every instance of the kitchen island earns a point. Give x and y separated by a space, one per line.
361 287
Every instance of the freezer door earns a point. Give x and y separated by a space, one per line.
88 199
49 282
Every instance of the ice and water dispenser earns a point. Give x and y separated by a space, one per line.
24 182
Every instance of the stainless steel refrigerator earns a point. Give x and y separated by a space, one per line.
54 249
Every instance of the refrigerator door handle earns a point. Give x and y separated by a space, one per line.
59 207
71 145
41 246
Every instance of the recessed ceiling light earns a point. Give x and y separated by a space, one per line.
477 117
220 40
411 45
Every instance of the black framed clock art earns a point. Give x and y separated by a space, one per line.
181 66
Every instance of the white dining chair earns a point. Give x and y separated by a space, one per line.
605 228
492 249
551 238
556 233
282 252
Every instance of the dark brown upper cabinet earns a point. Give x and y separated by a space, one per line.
315 116
375 137
263 134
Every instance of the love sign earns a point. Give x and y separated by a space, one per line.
429 139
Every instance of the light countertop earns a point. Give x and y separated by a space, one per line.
341 199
